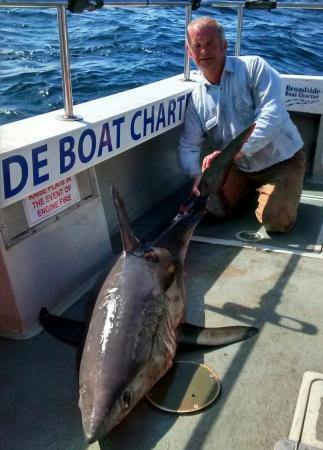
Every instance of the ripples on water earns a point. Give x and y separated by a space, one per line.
116 49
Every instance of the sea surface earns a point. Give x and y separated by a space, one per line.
114 49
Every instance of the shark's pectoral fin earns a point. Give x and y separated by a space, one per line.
190 335
67 330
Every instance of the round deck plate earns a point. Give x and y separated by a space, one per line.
249 236
186 387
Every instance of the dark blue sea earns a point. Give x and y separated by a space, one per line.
115 49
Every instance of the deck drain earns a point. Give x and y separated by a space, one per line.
249 236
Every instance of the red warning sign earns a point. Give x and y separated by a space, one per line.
49 201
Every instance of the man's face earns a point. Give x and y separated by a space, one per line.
206 48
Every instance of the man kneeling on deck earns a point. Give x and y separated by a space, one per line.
233 93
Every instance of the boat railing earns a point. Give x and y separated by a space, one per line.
266 5
61 6
189 5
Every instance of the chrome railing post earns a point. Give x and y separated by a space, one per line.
188 19
65 64
239 30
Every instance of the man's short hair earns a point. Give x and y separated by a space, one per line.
207 22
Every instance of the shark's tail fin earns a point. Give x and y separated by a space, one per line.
214 177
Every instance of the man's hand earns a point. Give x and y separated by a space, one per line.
208 160
195 192
205 165
238 156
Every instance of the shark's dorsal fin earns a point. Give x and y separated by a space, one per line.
129 240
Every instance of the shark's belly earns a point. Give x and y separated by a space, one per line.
165 342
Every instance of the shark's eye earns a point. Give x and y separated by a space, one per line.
126 399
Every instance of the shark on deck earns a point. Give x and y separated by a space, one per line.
139 315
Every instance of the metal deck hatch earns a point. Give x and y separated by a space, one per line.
187 387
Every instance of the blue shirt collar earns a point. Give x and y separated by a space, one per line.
228 67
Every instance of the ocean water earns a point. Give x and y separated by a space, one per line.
115 49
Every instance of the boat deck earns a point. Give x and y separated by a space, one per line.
274 284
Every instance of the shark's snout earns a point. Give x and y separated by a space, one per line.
90 436
94 427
